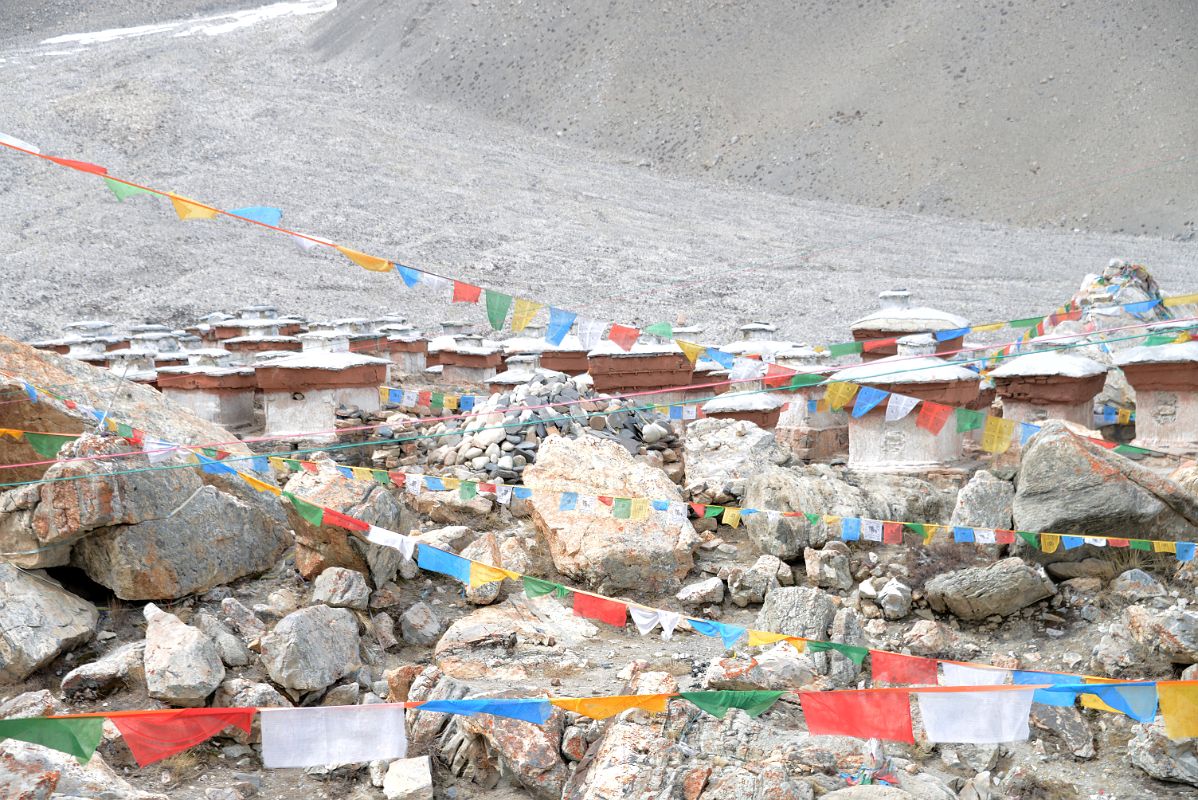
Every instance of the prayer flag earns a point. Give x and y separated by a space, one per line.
410 276
996 434
759 638
154 735
852 652
731 517
47 445
728 634
621 508
850 529
838 394
524 312
932 416
466 293
82 166
481 574
315 737
845 349
1179 707
123 190
605 707
898 668
646 618
312 514
497 308
954 333
260 486
1022 677
189 209
639 509
874 345
871 530
600 608
892 532
77 736
365 261
753 703
435 560
880 714
334 517
568 502
962 535
535 587
381 536
691 350
962 675
560 322
590 331
663 330
867 398
969 420
267 215
467 490
899 406
976 717
624 336
530 710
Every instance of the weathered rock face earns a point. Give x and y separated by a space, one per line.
339 587
1001 588
984 502
122 666
420 624
311 648
1170 634
182 665
809 613
1152 751
650 554
164 558
530 754
721 454
318 548
32 772
1069 485
824 490
39 620
709 590
829 568
408 779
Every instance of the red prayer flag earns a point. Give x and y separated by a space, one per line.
897 668
486 487
601 609
154 735
80 165
465 293
398 478
624 336
932 416
699 508
310 467
1004 537
777 377
892 533
424 398
876 714
607 501
332 517
878 344
1117 543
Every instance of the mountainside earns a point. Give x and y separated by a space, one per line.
1016 111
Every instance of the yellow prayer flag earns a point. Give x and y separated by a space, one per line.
523 312
372 263
362 473
450 403
929 533
1179 707
800 645
189 209
278 463
1093 701
16 434
638 508
832 522
991 326
384 395
996 434
604 707
821 405
1181 300
1049 542
839 394
731 517
451 484
485 573
261 486
1164 547
691 350
758 638
1123 416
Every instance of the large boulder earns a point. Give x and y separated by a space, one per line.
312 648
33 772
984 502
824 490
1067 484
319 547
182 664
1164 759
122 666
39 620
530 754
999 589
810 613
651 554
721 454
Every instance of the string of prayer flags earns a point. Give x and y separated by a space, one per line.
976 717
523 313
590 606
77 736
315 737
155 735
465 293
189 209
900 669
605 707
435 560
498 304
877 714
624 336
753 703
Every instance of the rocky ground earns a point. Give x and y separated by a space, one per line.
149 614
257 116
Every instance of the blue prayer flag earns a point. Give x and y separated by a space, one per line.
466 403
559 325
346 472
1049 697
725 360
214 467
1027 431
410 276
522 492
32 393
944 336
534 711
1071 542
963 535
867 398
1141 307
1185 551
728 634
661 505
435 560
264 214
568 502
850 529
434 484
260 464
395 396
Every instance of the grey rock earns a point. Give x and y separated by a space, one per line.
721 454
829 568
233 651
702 592
346 694
1000 589
420 625
409 779
752 585
339 587
31 704
895 599
1171 633
243 693
1136 584
1152 751
984 502
122 666
39 620
182 664
797 611
1067 725
25 769
311 648
243 620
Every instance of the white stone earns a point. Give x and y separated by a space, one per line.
409 779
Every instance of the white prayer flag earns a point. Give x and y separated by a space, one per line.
983 535
677 512
410 398
1093 540
669 621
586 504
871 530
746 369
899 406
435 283
386 538
21 143
976 717
414 483
307 244
645 619
158 450
590 331
961 675
316 737
690 411
503 494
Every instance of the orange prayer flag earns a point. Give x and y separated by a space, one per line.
261 486
189 209
365 261
604 707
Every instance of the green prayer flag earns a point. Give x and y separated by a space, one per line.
123 190
381 476
621 507
467 490
47 445
535 587
497 308
845 349
1141 544
662 329
437 400
918 527
814 519
293 465
717 703
78 736
1160 338
969 420
855 654
125 431
1128 450
801 379
1029 537
713 511
312 514
1030 322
